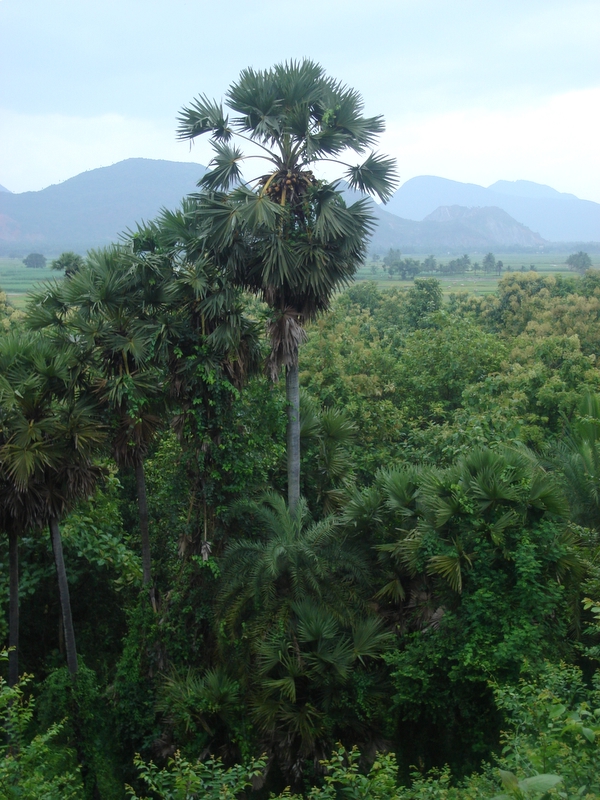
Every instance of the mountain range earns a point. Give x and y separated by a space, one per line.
555 216
93 208
426 214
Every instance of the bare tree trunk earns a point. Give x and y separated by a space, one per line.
140 480
65 600
13 611
292 392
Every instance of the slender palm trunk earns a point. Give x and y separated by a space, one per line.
292 392
13 611
140 480
65 600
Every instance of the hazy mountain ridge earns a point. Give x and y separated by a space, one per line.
454 229
557 216
93 208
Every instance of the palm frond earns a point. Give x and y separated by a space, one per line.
203 116
225 171
376 175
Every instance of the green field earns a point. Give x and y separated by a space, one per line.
478 283
16 279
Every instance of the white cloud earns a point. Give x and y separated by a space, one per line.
555 143
41 150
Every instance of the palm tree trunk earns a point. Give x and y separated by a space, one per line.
13 612
292 392
140 480
65 600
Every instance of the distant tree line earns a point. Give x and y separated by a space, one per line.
409 268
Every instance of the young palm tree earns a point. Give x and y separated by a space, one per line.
324 434
506 490
302 670
577 457
292 558
289 237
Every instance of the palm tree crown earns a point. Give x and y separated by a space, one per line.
298 117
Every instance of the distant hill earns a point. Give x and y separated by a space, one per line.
556 216
4 189
93 208
455 229
426 215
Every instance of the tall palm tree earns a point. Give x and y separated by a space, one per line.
113 307
47 436
213 345
290 237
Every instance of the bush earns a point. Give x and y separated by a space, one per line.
33 766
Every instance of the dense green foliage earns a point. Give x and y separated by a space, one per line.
421 600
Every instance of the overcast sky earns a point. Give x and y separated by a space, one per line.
473 90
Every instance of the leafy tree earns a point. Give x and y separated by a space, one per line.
9 316
392 260
423 298
302 242
33 766
430 264
35 261
489 263
579 262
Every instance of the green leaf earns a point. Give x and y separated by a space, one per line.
589 734
556 711
509 780
225 170
377 175
539 783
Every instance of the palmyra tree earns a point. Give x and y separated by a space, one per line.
49 432
290 237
